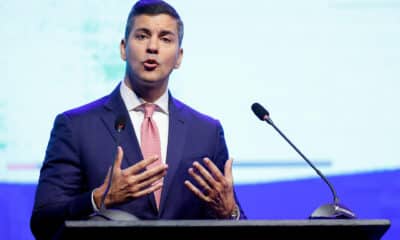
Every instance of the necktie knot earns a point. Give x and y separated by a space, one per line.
149 109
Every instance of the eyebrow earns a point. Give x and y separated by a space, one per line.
166 32
145 30
162 33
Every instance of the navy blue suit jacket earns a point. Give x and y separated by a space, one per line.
82 147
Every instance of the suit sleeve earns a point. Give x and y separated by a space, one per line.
221 156
61 193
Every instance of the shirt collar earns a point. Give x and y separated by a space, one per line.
133 102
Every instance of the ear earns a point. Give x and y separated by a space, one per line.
179 59
122 49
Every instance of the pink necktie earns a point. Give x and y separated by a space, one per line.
150 141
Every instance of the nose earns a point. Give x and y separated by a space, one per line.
152 46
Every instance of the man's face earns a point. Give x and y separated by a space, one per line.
152 50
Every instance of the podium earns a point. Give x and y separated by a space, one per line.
372 229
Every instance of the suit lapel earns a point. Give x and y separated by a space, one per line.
115 107
176 138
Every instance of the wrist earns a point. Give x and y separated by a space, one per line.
97 196
235 213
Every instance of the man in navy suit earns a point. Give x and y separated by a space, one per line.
194 173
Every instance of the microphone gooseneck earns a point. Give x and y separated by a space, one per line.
113 214
334 210
119 125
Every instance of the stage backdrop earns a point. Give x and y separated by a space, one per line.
327 70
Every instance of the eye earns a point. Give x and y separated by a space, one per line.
140 36
166 40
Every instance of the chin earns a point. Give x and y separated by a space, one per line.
152 78
152 82
149 79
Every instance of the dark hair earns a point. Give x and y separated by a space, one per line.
153 7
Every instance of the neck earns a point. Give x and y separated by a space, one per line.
148 93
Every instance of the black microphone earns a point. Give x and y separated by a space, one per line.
327 211
113 214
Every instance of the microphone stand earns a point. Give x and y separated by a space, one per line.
328 211
113 214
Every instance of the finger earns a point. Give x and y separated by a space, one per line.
146 176
205 174
214 169
151 172
141 165
146 191
149 182
118 158
196 191
228 170
199 180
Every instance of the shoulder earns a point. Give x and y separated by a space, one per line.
112 101
86 114
194 115
91 108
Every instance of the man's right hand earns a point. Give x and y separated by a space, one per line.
132 182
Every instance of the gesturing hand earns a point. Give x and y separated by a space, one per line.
217 189
132 182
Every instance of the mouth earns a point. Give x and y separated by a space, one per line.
150 64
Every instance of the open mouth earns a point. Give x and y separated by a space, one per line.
150 64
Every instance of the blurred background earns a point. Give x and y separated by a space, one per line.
327 70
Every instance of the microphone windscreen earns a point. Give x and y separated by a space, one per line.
120 123
259 111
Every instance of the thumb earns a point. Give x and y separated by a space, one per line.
118 158
228 170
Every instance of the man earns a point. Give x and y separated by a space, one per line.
171 162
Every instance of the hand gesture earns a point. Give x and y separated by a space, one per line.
217 189
132 182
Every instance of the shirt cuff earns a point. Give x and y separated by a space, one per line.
93 202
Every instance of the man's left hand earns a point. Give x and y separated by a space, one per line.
217 188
